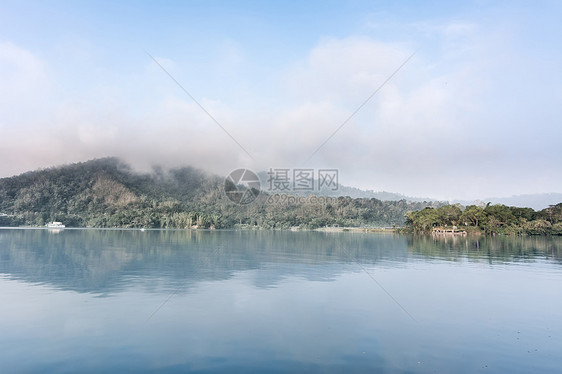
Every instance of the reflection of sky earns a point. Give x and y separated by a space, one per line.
469 315
276 302
106 261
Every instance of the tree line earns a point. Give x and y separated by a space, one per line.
106 193
489 219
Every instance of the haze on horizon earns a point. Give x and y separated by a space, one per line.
476 112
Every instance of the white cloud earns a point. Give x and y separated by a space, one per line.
25 86
446 125
439 127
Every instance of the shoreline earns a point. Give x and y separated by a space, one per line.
371 230
293 229
356 229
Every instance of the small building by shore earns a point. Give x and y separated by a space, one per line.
448 231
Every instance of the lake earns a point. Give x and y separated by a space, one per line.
277 302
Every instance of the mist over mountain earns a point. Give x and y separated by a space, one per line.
339 190
108 193
536 201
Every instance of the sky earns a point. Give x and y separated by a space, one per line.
472 109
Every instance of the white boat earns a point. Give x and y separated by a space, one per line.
55 225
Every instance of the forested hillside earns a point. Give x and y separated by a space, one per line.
107 193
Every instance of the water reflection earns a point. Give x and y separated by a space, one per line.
98 260
497 249
104 261
271 302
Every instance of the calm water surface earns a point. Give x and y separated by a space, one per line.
277 302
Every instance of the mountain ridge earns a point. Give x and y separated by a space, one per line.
536 201
107 192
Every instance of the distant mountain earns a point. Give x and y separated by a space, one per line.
342 190
108 193
381 195
535 201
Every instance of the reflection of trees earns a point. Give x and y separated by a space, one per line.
104 261
497 248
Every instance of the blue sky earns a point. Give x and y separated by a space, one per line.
477 112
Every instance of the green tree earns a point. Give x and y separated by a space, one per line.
449 214
473 216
